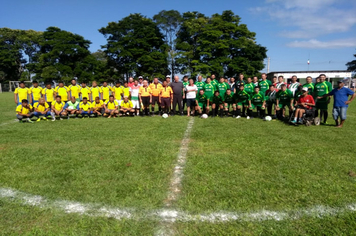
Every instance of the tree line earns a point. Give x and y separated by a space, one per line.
168 43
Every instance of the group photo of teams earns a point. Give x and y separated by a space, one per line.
214 97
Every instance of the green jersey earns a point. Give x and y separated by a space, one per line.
257 98
209 90
249 88
230 99
242 96
200 85
284 97
217 100
185 84
214 82
310 88
72 105
222 87
297 95
202 99
322 88
264 86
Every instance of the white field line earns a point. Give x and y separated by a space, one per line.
10 122
170 216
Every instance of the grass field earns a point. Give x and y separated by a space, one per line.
241 168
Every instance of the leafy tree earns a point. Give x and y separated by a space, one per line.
352 65
135 46
169 22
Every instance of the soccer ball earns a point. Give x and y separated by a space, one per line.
268 118
165 115
204 116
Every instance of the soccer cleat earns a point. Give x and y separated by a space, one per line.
44 118
53 119
29 120
38 120
247 117
61 118
238 117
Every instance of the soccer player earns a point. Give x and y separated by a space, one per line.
58 109
305 102
85 108
134 97
156 88
274 81
243 100
72 107
271 100
178 95
48 94
191 93
320 89
35 92
201 102
41 109
145 96
200 84
84 90
229 100
280 82
118 92
105 89
185 84
222 87
24 111
255 82
217 102
131 82
284 97
111 107
293 86
127 90
62 91
166 97
214 81
209 89
126 107
168 79
95 91
74 90
97 107
240 81
249 86
298 93
140 81
309 84
21 93
264 84
233 85
258 101
341 102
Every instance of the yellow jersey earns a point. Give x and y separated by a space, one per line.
40 107
48 94
127 104
106 92
145 92
95 92
166 92
74 90
23 110
85 92
111 105
58 106
156 89
127 92
22 93
118 92
63 92
97 105
36 93
85 107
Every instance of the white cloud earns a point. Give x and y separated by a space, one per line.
313 43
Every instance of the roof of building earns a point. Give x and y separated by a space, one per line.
309 71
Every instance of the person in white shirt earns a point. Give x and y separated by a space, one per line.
140 81
134 97
280 82
191 93
293 86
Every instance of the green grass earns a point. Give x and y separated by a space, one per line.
232 166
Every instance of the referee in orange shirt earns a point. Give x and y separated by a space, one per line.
145 95
166 97
156 90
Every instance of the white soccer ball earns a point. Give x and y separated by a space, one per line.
204 116
165 115
268 118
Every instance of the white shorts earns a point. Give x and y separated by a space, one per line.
135 103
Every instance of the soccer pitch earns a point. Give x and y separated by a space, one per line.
114 176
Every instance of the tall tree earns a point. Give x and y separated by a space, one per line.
170 22
219 44
135 45
352 65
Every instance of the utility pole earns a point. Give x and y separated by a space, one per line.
268 62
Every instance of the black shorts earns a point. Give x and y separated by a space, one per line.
165 102
190 102
155 99
145 101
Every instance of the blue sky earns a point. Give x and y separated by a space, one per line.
290 29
